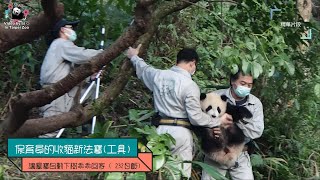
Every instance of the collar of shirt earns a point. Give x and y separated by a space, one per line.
230 97
180 71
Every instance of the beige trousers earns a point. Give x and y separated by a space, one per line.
242 172
183 146
58 106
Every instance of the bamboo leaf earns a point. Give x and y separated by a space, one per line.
317 90
271 71
114 176
210 170
138 175
158 162
290 68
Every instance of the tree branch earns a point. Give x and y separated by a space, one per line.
147 2
26 101
50 124
305 9
21 104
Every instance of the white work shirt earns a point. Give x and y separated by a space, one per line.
59 58
175 93
251 127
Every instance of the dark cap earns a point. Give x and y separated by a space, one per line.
62 23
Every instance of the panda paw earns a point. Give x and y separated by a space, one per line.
245 112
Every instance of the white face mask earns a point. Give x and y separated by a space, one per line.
192 73
71 34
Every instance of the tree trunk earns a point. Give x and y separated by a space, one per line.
305 9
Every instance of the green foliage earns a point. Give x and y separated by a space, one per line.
138 116
17 66
138 175
102 130
229 37
271 163
114 16
317 90
256 160
211 171
114 176
1 172
167 166
158 144
158 162
126 176
292 119
124 5
172 169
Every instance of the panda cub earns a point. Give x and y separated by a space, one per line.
225 149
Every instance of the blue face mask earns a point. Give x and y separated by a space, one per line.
242 91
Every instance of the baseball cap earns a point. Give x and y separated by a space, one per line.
61 23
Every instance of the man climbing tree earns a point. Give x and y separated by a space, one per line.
58 63
142 30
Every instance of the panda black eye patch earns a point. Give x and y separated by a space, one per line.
219 110
208 108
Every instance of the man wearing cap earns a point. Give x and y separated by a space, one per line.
58 63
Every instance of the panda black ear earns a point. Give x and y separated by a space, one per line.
203 96
224 97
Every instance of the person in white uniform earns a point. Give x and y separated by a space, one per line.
58 63
239 94
177 100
